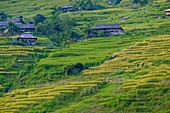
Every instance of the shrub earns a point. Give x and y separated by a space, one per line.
74 69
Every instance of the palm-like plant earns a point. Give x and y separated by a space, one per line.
11 30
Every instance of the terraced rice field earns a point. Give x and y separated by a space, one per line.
132 87
22 99
15 59
150 51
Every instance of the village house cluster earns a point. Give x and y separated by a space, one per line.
20 23
98 30
26 29
108 29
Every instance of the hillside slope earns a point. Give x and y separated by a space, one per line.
29 8
130 86
136 79
144 22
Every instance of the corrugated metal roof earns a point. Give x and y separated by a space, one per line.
25 26
3 23
14 19
65 7
107 26
168 10
27 35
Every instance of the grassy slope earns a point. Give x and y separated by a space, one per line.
134 89
29 8
15 60
141 25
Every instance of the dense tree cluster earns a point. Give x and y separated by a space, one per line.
86 5
3 16
58 29
141 2
39 18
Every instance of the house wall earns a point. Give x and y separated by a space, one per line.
67 9
28 41
110 31
168 13
28 30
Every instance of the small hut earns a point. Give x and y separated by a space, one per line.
125 17
4 24
67 8
108 29
110 1
27 38
167 12
18 20
26 27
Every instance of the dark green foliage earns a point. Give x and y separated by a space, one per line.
58 29
74 69
12 29
118 73
39 18
141 2
86 5
3 16
117 1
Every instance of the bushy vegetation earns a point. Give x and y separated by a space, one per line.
86 5
58 29
39 18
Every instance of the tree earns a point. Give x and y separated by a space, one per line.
59 29
141 2
117 1
3 16
39 18
86 5
12 29
135 1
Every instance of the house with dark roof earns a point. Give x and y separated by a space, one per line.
108 29
20 23
27 38
26 27
110 1
67 8
125 18
167 12
18 20
3 24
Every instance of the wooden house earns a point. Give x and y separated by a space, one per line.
125 18
167 12
26 27
20 23
108 29
110 1
27 38
3 24
18 20
67 8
